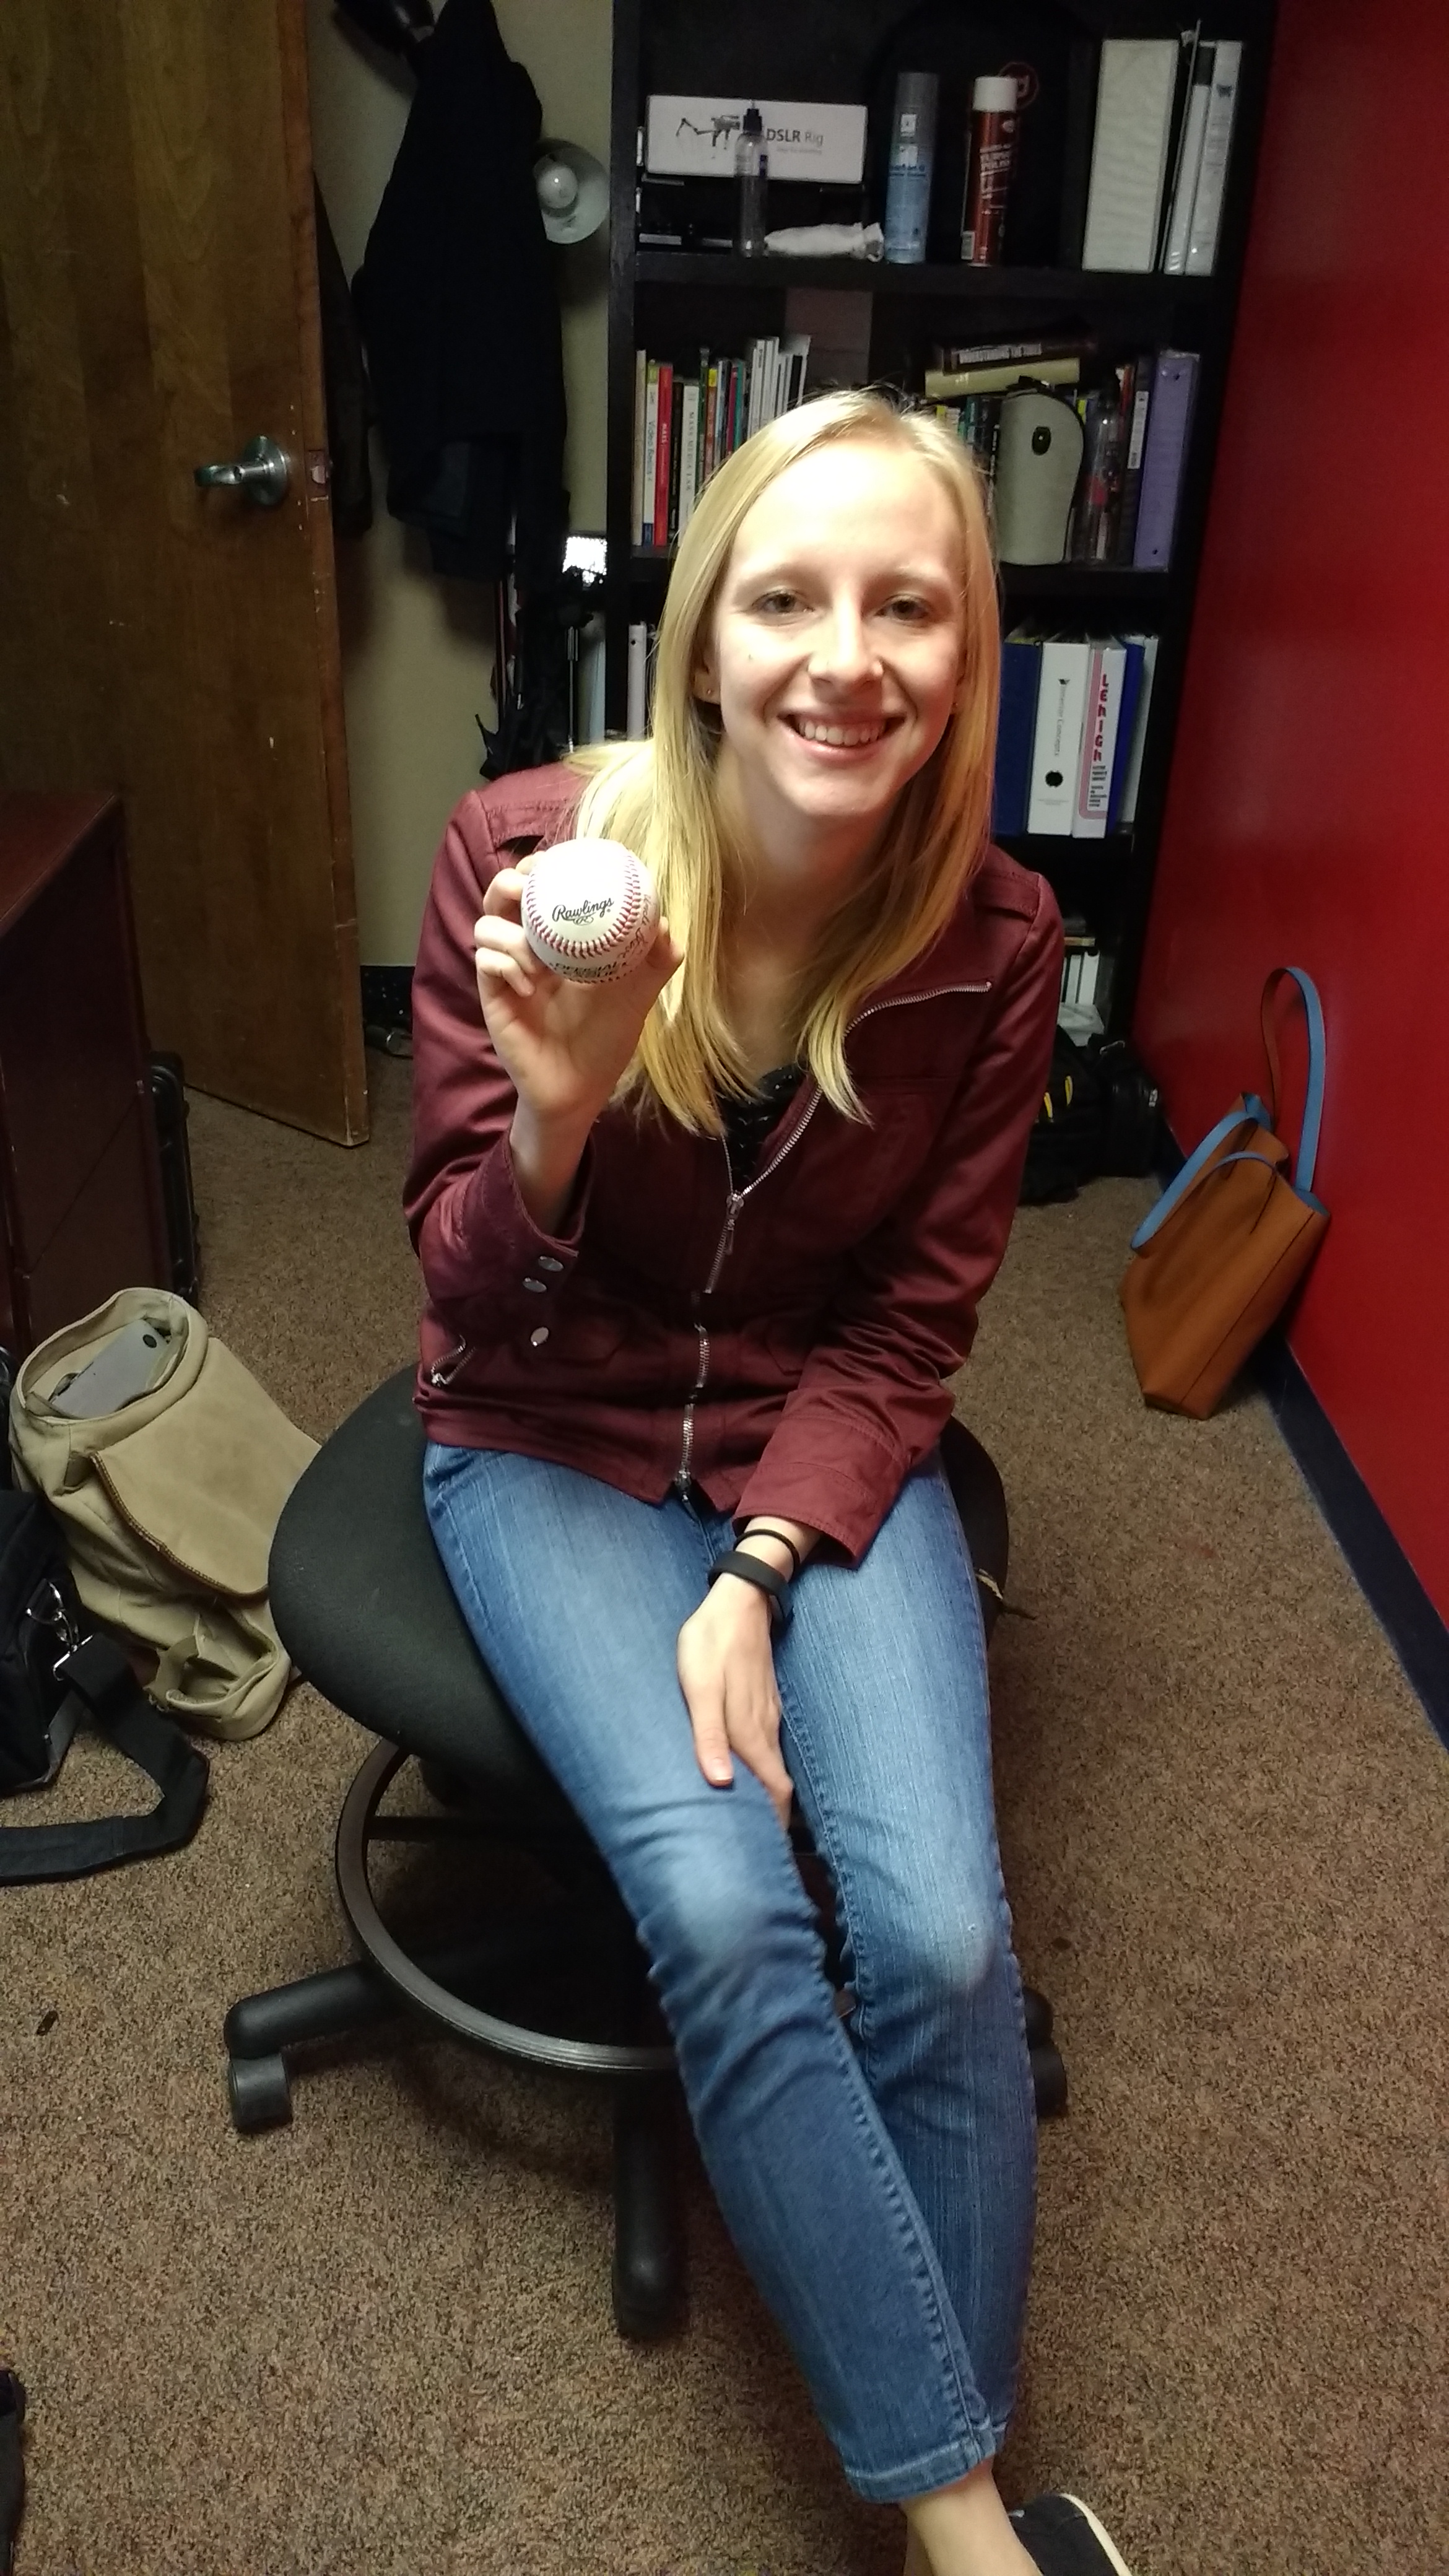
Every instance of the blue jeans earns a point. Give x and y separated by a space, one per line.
877 2175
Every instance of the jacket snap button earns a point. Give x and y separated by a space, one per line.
539 1337
539 1287
546 1261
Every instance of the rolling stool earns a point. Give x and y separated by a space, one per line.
365 1610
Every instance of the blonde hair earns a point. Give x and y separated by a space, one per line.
660 796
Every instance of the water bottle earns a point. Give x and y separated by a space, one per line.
751 176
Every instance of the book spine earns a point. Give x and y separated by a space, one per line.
662 443
688 452
710 400
1077 150
947 358
641 397
676 455
1168 423
1132 464
1207 211
1016 726
1174 257
651 452
944 383
1133 654
636 709
1132 774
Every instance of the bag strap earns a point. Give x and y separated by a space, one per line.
1317 1065
1177 1190
99 1676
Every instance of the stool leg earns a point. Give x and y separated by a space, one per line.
648 2275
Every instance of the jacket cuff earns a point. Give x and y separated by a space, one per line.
835 1478
499 1255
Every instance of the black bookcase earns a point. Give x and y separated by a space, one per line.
672 301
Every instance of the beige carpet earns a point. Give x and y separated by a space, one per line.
378 2343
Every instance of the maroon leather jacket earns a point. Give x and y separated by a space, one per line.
785 1345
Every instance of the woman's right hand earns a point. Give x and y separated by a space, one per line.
563 1045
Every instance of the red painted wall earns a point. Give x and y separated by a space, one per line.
1308 814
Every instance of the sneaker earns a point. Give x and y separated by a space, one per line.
1066 2539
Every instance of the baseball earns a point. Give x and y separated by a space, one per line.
589 910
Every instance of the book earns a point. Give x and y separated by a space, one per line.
943 383
1207 209
1169 419
663 440
1081 117
1136 441
1132 771
688 450
1015 732
641 391
1057 735
1134 655
637 696
1136 88
1189 162
947 356
709 402
651 452
1101 709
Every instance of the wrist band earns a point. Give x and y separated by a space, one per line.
762 1529
765 1578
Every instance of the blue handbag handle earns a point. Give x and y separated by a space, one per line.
1317 1061
1261 1114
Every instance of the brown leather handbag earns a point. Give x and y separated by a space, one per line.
1221 1253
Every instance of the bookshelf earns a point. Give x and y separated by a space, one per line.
671 301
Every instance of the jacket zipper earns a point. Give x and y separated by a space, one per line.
443 1371
735 1200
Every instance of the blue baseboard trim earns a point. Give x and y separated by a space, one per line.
1376 1561
1378 1564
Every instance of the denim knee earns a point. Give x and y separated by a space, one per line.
725 1939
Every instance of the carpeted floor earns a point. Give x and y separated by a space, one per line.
378 2343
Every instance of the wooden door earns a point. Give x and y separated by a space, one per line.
158 311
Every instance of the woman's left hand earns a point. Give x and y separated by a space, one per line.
727 1675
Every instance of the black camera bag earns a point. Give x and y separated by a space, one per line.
55 1671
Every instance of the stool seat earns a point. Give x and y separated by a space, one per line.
365 1610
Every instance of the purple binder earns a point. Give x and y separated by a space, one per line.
1169 417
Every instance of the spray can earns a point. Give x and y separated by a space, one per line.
995 126
913 150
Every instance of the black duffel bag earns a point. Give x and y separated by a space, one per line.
54 1672
1100 1113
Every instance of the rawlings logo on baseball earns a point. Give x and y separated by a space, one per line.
589 910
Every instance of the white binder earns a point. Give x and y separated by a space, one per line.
1136 88
1057 742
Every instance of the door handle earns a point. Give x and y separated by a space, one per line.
261 473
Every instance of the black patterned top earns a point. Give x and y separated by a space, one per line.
750 1117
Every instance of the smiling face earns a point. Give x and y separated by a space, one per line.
836 650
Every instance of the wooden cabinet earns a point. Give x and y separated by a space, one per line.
80 1187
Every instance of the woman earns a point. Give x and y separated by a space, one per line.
700 1247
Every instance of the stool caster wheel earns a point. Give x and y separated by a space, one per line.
260 2091
644 2309
1049 2082
1038 2018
